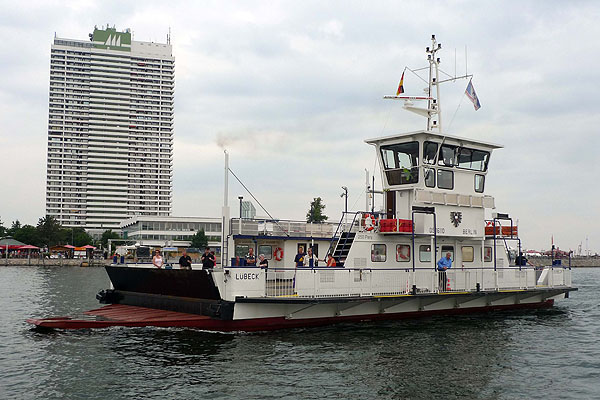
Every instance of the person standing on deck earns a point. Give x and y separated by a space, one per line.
299 259
208 259
185 261
157 260
263 262
442 265
310 260
250 258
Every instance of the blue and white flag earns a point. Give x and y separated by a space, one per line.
470 92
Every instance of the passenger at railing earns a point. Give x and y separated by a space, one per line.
442 265
208 259
330 261
237 262
520 260
311 260
250 257
299 259
157 260
185 261
263 262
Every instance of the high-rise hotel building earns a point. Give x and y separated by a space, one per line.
110 130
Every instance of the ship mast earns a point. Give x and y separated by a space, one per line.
433 112
433 105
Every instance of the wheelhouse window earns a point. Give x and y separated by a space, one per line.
447 155
378 252
468 253
445 179
402 253
401 163
429 152
425 253
479 183
430 177
476 160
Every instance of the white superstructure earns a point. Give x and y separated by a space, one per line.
110 130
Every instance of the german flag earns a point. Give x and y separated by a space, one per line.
401 86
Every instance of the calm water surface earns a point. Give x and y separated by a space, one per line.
547 354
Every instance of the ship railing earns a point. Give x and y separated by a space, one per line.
323 282
267 227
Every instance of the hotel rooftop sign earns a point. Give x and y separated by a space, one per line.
110 39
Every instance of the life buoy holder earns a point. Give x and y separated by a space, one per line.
278 254
369 222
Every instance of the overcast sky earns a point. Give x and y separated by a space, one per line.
292 89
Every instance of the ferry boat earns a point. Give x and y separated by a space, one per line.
435 204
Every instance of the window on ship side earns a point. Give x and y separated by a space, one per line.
479 183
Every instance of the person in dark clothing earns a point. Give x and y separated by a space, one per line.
250 257
263 262
208 259
299 259
520 260
185 261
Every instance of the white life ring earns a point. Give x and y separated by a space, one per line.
369 223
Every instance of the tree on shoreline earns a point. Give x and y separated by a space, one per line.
199 240
47 233
315 214
50 231
108 234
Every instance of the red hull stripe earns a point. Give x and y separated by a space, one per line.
122 315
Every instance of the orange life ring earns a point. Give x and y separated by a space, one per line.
278 254
369 223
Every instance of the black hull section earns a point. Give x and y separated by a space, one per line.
197 284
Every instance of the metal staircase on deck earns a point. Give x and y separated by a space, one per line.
344 237
342 246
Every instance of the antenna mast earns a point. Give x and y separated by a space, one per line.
433 105
433 112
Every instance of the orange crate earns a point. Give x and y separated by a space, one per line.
405 225
506 231
489 231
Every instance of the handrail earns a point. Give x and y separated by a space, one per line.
498 218
343 282
333 239
340 224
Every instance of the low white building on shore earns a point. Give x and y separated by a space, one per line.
157 231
